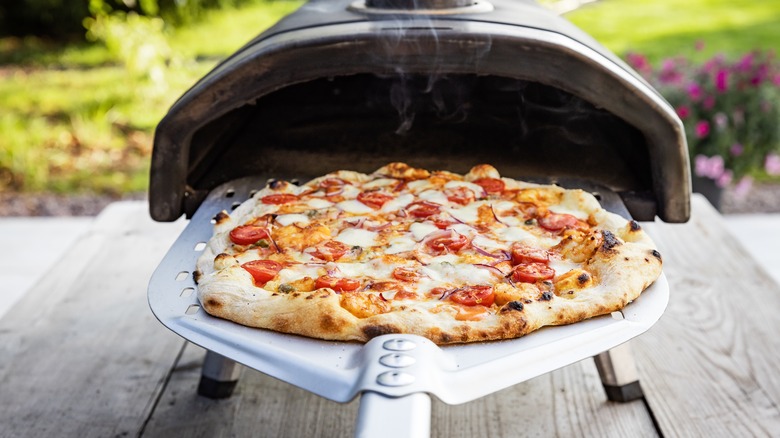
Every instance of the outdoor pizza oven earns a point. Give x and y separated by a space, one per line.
439 84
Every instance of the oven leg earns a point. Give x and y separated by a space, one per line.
618 373
389 417
218 377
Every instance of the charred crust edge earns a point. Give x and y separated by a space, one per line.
610 241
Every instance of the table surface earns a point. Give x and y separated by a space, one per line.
82 355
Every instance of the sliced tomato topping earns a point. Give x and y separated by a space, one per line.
332 182
405 295
561 221
422 209
262 271
491 185
406 274
330 251
247 234
532 272
374 199
279 198
528 254
460 195
445 241
338 284
473 295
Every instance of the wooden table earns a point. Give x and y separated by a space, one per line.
81 355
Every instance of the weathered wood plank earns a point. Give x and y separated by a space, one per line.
711 366
568 402
81 354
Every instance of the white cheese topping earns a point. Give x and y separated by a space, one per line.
468 214
461 274
381 182
464 230
434 196
562 266
514 234
318 203
421 229
289 219
485 243
566 209
400 244
354 206
419 185
297 272
357 237
397 203
478 190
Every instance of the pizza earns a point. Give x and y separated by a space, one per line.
454 258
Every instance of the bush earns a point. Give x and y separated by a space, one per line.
63 18
730 109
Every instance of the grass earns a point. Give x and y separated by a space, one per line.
73 120
664 28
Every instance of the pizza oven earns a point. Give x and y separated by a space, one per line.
439 84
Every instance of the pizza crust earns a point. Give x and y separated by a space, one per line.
617 257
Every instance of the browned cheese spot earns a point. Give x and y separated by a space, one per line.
196 275
656 254
583 278
634 226
213 303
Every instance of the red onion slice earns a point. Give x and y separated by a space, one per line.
484 252
495 215
492 269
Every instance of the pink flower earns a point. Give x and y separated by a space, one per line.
743 186
702 129
737 149
772 164
722 80
746 63
724 179
708 103
694 92
683 111
712 167
721 121
639 62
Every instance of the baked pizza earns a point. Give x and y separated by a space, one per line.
454 258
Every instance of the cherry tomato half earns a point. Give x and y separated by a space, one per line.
491 185
473 295
262 271
460 195
279 198
374 199
532 272
561 221
330 251
338 284
446 240
422 209
528 254
247 234
406 274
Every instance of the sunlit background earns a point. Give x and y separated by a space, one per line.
83 84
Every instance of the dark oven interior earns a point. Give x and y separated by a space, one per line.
452 122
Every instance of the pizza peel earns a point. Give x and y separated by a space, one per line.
392 373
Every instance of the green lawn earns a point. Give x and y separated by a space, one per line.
664 28
72 119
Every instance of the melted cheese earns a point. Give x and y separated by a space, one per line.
457 274
317 203
468 214
400 244
357 237
421 229
354 206
434 196
289 219
397 203
381 182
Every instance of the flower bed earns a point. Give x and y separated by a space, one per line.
731 113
